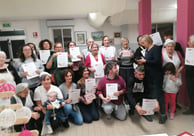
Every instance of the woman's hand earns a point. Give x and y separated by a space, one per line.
141 61
107 99
49 106
80 56
35 115
37 71
157 107
70 64
24 74
68 100
140 111
3 81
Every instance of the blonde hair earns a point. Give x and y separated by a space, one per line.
147 39
123 39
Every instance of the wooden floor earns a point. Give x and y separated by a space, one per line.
133 126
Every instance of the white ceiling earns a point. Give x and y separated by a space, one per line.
119 11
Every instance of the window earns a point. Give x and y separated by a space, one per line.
161 28
62 35
11 41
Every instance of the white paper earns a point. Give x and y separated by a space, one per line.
148 105
189 56
74 95
44 55
90 96
62 59
156 38
74 53
31 69
126 53
111 88
99 70
90 83
108 53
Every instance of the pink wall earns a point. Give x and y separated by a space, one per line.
145 17
185 27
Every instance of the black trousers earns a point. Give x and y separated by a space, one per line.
190 87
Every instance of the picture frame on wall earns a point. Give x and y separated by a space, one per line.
80 37
117 35
97 36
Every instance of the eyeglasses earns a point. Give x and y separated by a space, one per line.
58 47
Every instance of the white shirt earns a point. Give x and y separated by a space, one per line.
40 93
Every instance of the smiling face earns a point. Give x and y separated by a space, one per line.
170 47
85 73
94 49
46 46
68 77
106 42
46 82
125 44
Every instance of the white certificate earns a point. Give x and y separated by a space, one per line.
126 53
31 69
44 55
74 95
108 53
62 59
156 38
99 70
189 56
148 105
90 96
90 83
74 53
111 88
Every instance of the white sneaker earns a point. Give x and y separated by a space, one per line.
50 130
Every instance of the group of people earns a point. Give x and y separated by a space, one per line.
152 72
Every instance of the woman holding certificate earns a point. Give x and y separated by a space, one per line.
125 61
87 105
153 73
169 54
45 47
57 62
29 67
108 51
77 59
95 62
66 88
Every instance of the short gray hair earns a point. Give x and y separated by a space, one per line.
3 53
140 69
